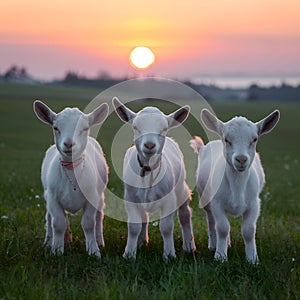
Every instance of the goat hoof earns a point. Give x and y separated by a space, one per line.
100 243
96 254
221 258
129 256
169 257
189 247
253 261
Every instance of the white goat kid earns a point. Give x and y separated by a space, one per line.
154 178
230 178
74 176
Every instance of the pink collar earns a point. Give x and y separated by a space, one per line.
70 165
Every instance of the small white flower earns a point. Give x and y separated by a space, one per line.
155 224
4 217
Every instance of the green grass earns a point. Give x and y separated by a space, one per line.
28 271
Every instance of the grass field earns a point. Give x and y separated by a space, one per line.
28 271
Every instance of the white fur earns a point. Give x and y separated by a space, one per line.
89 177
161 188
230 178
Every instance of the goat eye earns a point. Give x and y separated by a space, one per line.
164 130
83 131
227 141
254 141
56 128
135 128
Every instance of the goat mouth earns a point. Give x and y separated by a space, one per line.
241 168
149 153
68 152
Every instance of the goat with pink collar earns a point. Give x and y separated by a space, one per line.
74 176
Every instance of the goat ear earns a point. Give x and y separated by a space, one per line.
179 116
124 113
43 112
98 115
211 122
268 123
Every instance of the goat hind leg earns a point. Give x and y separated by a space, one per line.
49 232
99 228
248 232
143 236
68 233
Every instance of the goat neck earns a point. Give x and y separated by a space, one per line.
70 165
237 180
146 165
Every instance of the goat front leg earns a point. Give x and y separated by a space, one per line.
185 219
248 232
134 226
59 226
134 230
88 223
222 230
166 228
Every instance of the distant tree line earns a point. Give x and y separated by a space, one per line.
103 81
274 93
209 92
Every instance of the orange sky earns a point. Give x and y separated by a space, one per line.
188 37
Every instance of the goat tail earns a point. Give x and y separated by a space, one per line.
196 143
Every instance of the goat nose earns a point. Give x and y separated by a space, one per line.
149 145
68 144
241 159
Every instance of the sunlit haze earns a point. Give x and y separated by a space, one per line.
189 38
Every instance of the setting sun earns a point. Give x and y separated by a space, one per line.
141 57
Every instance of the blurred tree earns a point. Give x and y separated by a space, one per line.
15 73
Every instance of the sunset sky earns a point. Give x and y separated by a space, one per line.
188 37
